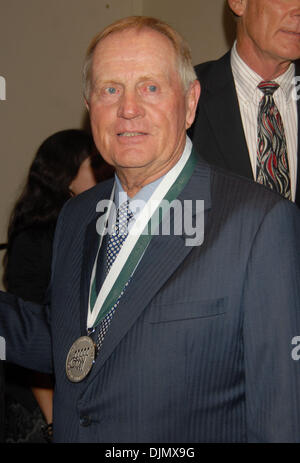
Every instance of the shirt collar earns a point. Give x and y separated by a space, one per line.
144 194
286 81
247 80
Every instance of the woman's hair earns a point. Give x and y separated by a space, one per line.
55 165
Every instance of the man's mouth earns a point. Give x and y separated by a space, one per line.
296 34
130 134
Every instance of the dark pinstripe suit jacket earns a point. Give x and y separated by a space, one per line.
217 132
199 349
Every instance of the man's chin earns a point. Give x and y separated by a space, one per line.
131 158
290 48
130 165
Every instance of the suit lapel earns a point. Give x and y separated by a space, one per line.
222 110
161 259
90 248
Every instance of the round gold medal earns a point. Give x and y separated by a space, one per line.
80 359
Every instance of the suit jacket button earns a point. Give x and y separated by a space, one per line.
85 421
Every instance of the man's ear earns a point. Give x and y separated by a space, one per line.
192 98
237 6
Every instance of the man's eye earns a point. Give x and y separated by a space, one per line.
111 90
152 88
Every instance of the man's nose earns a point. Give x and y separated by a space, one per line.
130 105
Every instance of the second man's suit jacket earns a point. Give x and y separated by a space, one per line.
200 346
217 132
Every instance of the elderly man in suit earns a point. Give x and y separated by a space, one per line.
164 334
248 115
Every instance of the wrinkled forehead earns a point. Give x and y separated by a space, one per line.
131 47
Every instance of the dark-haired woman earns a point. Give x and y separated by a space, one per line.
65 165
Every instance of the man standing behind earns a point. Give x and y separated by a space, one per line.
248 114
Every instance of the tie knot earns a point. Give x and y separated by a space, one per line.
120 232
268 87
124 215
124 210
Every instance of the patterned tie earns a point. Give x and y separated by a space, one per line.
272 160
116 241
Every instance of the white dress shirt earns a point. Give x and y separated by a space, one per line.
249 96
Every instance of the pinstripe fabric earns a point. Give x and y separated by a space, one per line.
191 355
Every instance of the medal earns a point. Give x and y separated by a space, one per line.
82 353
80 359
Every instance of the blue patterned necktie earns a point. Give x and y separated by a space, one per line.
272 159
114 245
